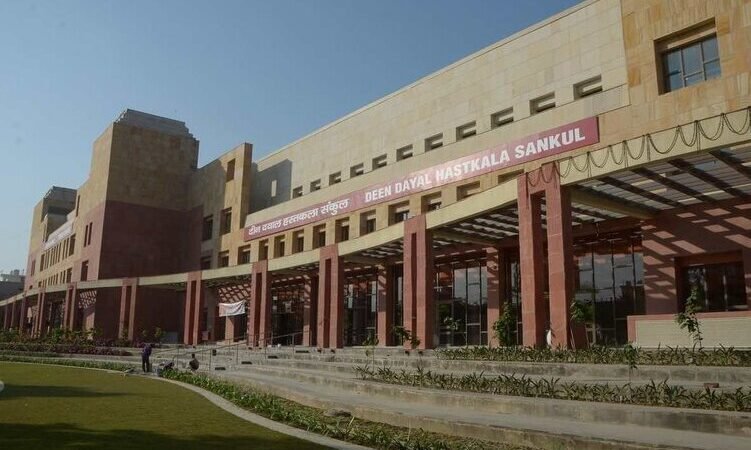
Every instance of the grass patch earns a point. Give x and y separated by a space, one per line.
46 407
370 434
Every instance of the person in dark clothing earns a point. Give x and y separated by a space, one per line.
193 363
145 355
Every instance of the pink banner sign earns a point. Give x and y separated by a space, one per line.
540 145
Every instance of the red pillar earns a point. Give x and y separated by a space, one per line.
496 290
330 298
534 316
560 259
22 315
385 302
230 323
41 319
259 289
15 306
72 323
265 332
419 280
6 316
127 296
310 297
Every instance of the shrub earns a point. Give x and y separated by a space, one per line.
628 355
652 394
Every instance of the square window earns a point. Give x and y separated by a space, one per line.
434 142
297 192
356 170
367 222
399 212
466 130
379 161
342 230
335 178
315 185
431 202
404 153
688 58
206 263
223 260
542 103
243 255
319 236
502 117
588 87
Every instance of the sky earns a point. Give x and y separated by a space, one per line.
264 72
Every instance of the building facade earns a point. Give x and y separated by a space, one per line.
601 157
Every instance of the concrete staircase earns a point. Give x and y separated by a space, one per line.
327 380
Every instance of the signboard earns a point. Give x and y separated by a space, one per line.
231 309
540 145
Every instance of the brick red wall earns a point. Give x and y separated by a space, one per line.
697 230
143 240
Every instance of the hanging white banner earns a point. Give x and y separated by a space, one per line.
231 309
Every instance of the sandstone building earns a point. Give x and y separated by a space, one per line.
601 156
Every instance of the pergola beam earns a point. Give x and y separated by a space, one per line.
668 183
463 238
732 162
640 192
367 260
706 177
600 200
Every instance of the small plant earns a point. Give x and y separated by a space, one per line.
651 394
370 342
687 319
503 326
401 334
581 312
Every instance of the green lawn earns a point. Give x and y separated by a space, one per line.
48 407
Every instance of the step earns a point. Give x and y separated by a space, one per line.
498 426
616 378
724 422
698 374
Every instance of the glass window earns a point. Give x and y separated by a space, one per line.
691 64
721 287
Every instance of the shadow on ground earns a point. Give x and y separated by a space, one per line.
61 435
15 391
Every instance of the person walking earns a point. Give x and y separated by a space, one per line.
145 358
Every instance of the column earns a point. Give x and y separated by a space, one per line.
419 279
260 288
310 302
6 316
22 316
330 301
194 279
15 306
73 314
385 304
127 296
496 290
534 316
41 319
560 259
230 323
